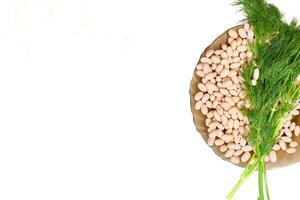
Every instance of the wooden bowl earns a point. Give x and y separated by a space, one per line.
283 158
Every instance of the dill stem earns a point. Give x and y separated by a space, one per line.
250 169
272 112
265 180
260 181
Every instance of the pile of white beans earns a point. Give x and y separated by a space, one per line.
220 99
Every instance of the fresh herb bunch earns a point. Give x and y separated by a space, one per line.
276 53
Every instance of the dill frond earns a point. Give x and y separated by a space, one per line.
277 56
276 53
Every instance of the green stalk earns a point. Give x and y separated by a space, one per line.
265 180
272 111
260 181
246 174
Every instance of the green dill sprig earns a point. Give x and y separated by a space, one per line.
276 93
276 53
266 17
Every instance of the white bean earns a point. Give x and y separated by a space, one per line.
250 36
242 48
276 147
224 73
210 114
215 59
198 96
232 33
237 139
249 54
221 127
236 59
215 104
235 54
282 145
273 156
238 152
267 158
286 139
235 79
229 153
218 52
229 52
223 148
231 146
206 60
227 138
246 27
217 116
206 68
220 110
293 144
245 157
199 66
292 126
205 98
198 105
237 147
233 45
207 121
288 132
247 148
202 87
295 112
297 130
235 65
225 106
224 46
256 74
235 160
209 53
236 124
211 141
287 124
242 33
219 68
229 101
232 73
204 109
227 83
291 150
219 142
224 120
230 40
211 87
211 75
208 104
200 74
225 61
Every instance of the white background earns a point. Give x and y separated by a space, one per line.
94 102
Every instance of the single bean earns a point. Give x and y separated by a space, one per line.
232 33
245 157
291 150
235 160
206 60
273 156
209 53
294 144
242 33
